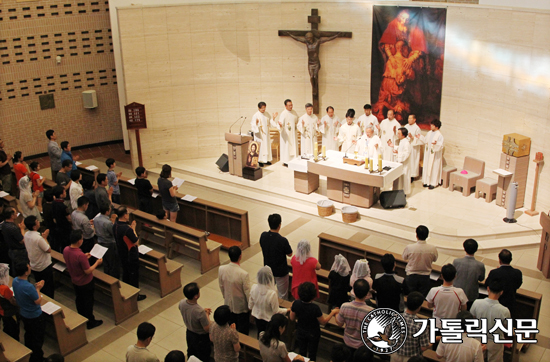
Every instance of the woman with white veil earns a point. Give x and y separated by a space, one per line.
8 306
361 270
27 198
264 298
338 282
304 268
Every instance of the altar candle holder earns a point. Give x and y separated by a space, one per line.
324 150
379 163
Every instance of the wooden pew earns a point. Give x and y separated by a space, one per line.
166 272
10 201
123 296
250 349
226 225
12 350
85 172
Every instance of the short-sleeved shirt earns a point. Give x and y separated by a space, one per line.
34 178
12 236
102 197
307 314
37 249
112 179
164 190
62 179
419 257
104 229
275 248
20 171
60 212
126 241
194 317
81 222
469 272
140 354
338 289
468 351
223 338
302 273
6 169
5 295
276 352
143 188
490 309
389 291
26 294
447 302
24 198
77 262
352 314
413 346
66 155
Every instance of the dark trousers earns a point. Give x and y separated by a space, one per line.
47 276
115 198
198 345
130 273
308 343
85 301
111 264
11 326
418 283
87 246
242 322
146 205
15 256
261 325
54 174
34 337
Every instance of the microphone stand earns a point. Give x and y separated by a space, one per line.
240 129
234 123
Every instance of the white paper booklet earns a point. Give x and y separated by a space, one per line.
178 182
293 355
50 308
144 249
59 266
98 251
189 198
132 181
92 168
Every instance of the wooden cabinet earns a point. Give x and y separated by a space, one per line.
519 166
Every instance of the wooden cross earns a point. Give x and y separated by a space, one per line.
313 43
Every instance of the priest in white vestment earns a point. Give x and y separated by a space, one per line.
260 127
388 134
417 141
403 156
433 156
307 125
369 145
349 133
329 126
286 124
368 120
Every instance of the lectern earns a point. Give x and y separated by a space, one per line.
543 263
237 149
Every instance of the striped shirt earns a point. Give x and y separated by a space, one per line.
352 314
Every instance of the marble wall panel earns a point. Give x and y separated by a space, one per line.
154 21
178 19
131 23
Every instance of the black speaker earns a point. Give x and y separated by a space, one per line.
393 199
223 163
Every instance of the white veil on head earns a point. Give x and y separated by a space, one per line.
25 184
361 269
341 265
303 251
4 274
265 278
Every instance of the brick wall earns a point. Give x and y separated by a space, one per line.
32 34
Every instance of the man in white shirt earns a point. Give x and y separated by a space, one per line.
260 126
39 251
403 153
388 135
470 350
329 126
75 190
369 145
433 156
417 141
349 133
446 300
138 352
368 120
419 257
307 125
287 132
235 287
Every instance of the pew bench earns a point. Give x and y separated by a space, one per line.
166 272
122 296
85 172
12 350
250 349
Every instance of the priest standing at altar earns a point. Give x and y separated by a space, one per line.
417 141
286 124
368 120
369 145
307 125
260 126
403 156
388 134
349 133
329 126
433 156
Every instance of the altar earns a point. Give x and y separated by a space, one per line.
346 183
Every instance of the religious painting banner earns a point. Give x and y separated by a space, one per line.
408 46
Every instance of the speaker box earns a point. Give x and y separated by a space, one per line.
89 99
223 163
393 199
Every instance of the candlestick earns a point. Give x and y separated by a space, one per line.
366 162
380 163
315 151
355 154
324 151
370 165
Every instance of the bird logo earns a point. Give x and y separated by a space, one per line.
384 331
387 336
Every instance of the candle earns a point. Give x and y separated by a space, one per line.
379 163
315 150
324 151
366 162
370 165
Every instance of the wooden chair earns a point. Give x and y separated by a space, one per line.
275 141
476 171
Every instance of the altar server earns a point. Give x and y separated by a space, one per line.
433 156
329 126
260 126
403 156
368 120
388 134
349 133
369 145
417 141
286 124
307 125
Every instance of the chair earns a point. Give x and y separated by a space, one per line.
275 141
445 175
476 171
487 187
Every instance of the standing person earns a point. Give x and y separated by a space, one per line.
144 190
103 195
82 278
368 120
9 310
389 287
28 298
287 132
275 249
47 214
54 151
338 282
329 126
64 180
27 198
369 145
490 309
112 179
510 277
88 185
39 251
272 349
349 133
197 322
19 166
224 336
307 125
469 350
62 219
127 247
361 270
419 257
433 156
13 236
264 301
37 182
260 126
81 222
103 225
168 193
304 268
68 155
75 190
417 141
5 169
138 352
235 287
388 135
403 156
469 272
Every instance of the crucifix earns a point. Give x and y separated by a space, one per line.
313 40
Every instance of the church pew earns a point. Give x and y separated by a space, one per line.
122 296
166 272
12 350
85 172
10 201
527 303
226 225
250 349
178 238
